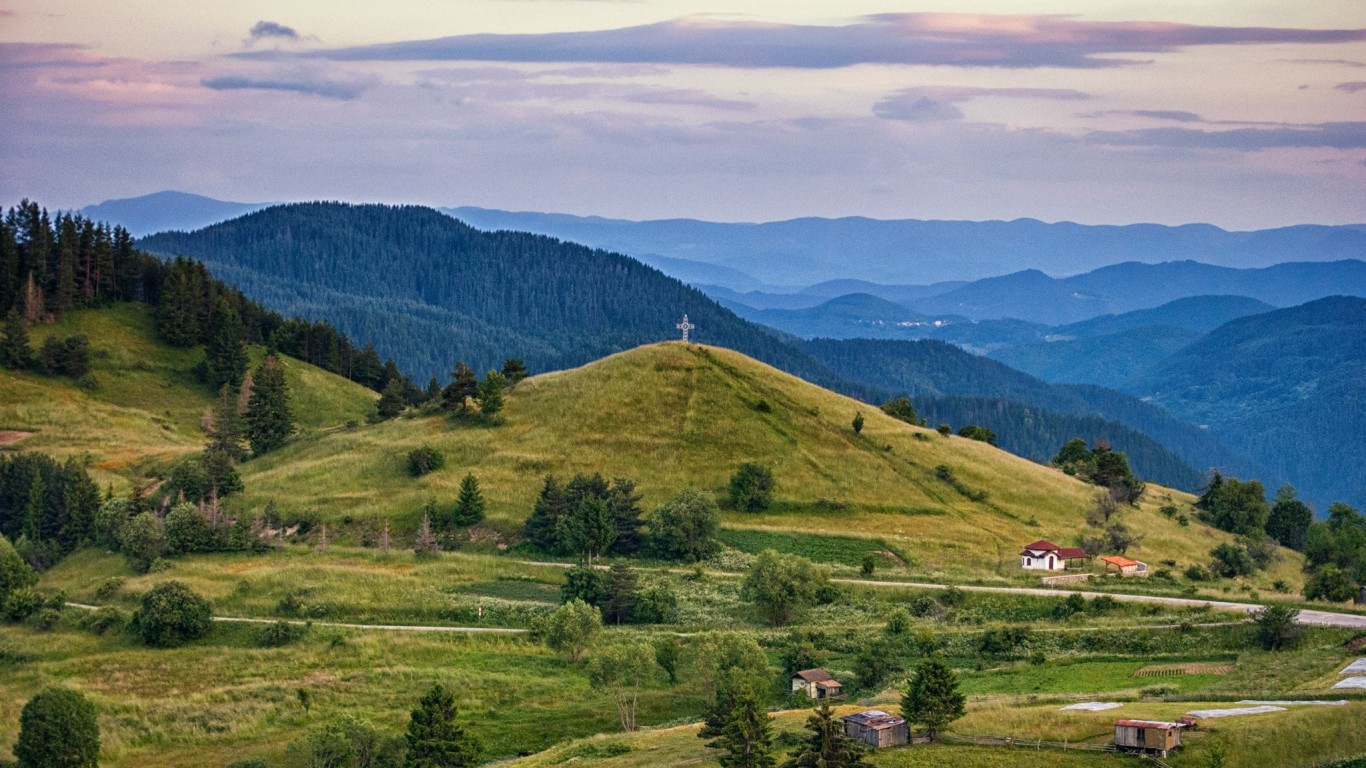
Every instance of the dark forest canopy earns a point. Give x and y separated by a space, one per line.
52 264
436 290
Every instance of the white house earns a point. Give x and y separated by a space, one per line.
1044 555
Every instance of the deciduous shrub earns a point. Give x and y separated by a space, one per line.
172 614
425 460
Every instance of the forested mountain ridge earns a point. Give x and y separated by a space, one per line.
1029 416
437 290
1288 386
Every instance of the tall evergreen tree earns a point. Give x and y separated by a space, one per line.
225 351
624 503
827 746
619 594
391 400
462 388
178 309
747 736
15 352
587 529
435 739
491 393
225 426
542 524
514 370
932 698
469 507
269 419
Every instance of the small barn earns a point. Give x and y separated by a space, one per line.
876 728
1153 737
1123 566
817 683
1044 555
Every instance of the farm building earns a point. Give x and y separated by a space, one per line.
1044 555
876 728
1150 736
1123 566
817 683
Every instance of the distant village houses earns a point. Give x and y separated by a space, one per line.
817 683
1044 555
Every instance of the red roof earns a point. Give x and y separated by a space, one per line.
1043 545
1073 553
1119 562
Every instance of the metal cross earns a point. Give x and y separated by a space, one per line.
685 326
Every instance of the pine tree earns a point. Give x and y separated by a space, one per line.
269 419
225 426
932 698
179 305
225 352
469 507
543 523
747 736
619 594
391 400
624 503
827 746
435 739
463 386
426 544
491 393
15 352
514 370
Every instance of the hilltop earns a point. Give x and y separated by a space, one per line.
670 416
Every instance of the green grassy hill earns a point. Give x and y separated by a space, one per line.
671 416
142 407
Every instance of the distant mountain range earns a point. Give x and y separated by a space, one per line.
428 290
783 256
164 211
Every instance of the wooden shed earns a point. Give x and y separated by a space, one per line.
1149 736
876 728
1123 566
817 683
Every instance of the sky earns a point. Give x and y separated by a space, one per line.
1248 114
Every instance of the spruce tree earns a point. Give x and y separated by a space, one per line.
624 503
543 524
469 507
225 426
491 393
827 746
747 735
619 594
463 386
269 419
514 370
435 739
391 400
225 351
433 391
179 305
932 698
15 352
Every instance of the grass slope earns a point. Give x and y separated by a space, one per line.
145 407
671 416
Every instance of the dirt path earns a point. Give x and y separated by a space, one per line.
10 437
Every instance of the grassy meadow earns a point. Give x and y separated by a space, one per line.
668 416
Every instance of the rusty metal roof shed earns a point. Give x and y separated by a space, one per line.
875 719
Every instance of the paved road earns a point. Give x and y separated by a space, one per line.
1307 616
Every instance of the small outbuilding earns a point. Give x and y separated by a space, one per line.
1123 566
876 728
1044 555
1148 736
818 684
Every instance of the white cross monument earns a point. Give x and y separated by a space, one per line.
685 326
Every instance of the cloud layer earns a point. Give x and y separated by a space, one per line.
906 38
